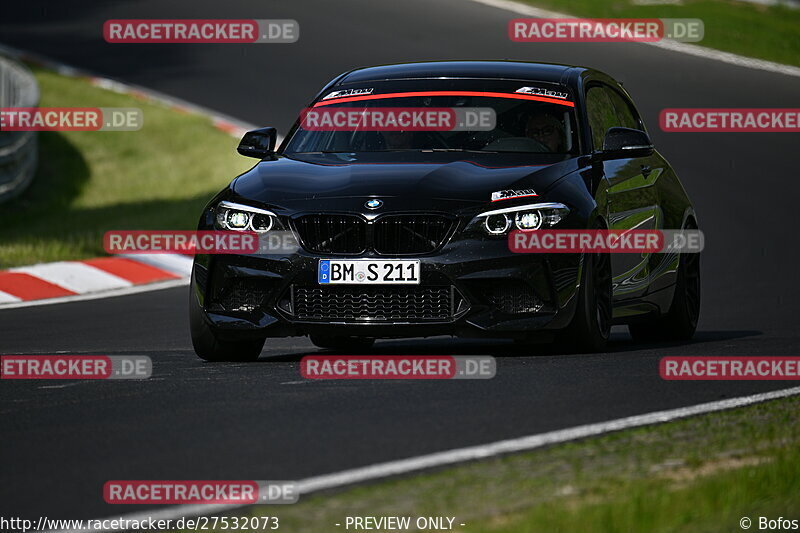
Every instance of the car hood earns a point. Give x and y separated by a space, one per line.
333 181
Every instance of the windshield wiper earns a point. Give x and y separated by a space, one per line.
456 150
327 152
433 150
465 150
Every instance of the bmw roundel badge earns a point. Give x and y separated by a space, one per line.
373 204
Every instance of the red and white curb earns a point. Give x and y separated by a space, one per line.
65 281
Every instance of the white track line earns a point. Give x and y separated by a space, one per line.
470 453
667 44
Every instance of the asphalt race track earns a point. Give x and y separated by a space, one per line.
62 440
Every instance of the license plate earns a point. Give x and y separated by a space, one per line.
368 272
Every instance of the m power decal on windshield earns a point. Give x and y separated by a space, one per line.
540 91
348 92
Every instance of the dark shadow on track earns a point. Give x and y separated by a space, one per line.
504 348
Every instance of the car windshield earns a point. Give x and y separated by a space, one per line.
468 121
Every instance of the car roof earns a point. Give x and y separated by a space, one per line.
517 70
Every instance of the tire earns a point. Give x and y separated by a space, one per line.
680 322
208 347
334 342
590 327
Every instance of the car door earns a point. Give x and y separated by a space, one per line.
632 198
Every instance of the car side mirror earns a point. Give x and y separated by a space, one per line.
258 143
620 143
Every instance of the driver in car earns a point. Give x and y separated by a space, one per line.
547 130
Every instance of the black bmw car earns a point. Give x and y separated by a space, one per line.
405 233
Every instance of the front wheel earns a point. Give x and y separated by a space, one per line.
208 347
591 325
680 322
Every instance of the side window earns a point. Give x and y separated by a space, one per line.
601 114
626 117
607 108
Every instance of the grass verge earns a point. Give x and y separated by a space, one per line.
754 30
87 183
700 474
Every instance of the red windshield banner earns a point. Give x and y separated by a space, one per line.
484 94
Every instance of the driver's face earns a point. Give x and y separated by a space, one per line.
544 130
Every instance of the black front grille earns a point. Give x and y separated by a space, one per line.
389 234
410 234
374 303
332 234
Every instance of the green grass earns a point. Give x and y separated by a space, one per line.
158 177
764 32
701 474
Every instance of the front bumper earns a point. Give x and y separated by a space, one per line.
469 288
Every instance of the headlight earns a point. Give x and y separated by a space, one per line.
239 217
528 220
524 217
497 224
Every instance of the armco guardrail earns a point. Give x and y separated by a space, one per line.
19 150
